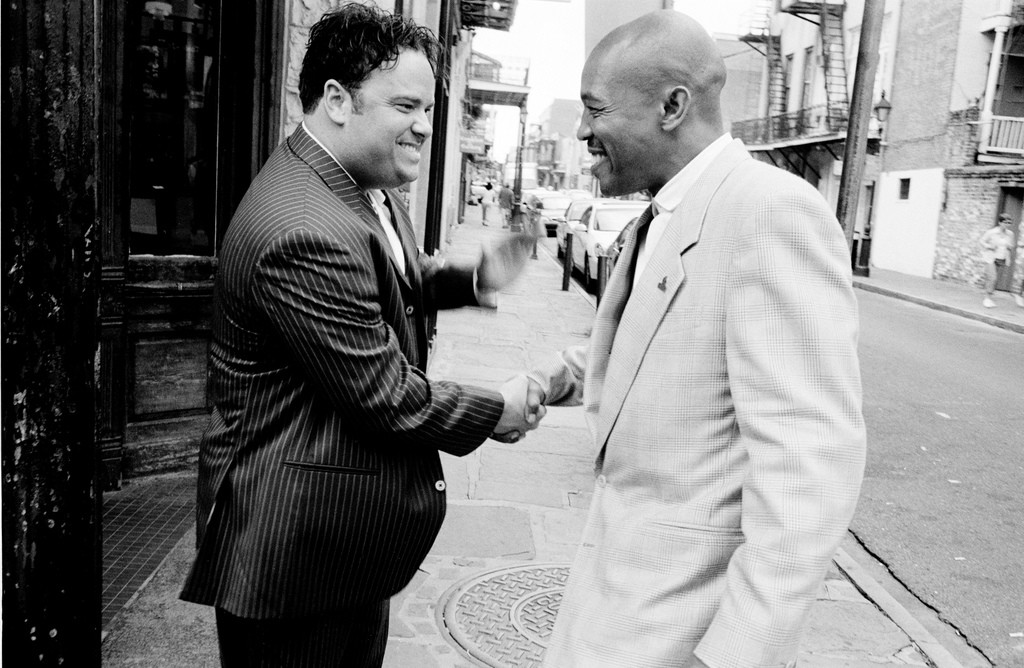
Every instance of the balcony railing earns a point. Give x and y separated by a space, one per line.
507 74
1007 135
809 122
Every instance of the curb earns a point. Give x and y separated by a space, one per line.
995 322
933 650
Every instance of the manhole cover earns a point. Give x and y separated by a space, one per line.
504 618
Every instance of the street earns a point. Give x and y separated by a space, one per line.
942 494
943 490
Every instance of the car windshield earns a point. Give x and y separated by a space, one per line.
560 203
614 219
575 212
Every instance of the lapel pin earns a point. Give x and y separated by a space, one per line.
664 280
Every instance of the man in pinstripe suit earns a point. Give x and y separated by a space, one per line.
320 484
721 383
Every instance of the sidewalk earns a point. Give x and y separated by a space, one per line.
487 593
945 296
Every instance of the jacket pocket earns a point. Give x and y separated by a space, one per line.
331 468
685 527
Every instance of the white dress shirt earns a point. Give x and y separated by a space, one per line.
377 198
671 196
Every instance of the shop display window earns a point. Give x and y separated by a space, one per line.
172 93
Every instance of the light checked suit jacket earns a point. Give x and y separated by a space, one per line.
724 399
320 483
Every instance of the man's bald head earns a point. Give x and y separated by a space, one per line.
660 50
650 93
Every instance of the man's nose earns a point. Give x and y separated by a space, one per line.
583 133
422 126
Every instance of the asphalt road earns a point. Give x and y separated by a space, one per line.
943 494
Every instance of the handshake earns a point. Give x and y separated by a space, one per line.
524 409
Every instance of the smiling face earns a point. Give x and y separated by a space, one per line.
389 123
650 92
620 127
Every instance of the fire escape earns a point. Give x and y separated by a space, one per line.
785 135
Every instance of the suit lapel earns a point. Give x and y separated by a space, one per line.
654 291
350 194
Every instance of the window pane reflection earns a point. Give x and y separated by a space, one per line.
173 128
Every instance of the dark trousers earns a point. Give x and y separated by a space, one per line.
352 638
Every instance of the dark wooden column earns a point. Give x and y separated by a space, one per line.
112 200
447 35
51 587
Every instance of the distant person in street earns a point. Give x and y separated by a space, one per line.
489 202
320 483
506 200
996 244
721 382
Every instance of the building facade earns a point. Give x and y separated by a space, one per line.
954 154
946 142
809 55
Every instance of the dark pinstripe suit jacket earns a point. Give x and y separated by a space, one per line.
319 476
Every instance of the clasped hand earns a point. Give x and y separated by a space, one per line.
524 409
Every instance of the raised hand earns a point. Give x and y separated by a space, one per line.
501 263
524 409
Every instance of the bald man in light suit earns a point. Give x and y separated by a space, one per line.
721 382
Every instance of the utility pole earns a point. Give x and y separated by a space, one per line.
860 116
517 188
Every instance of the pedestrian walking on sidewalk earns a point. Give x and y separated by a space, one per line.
506 200
320 485
996 243
721 383
490 203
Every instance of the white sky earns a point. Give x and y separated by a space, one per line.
550 34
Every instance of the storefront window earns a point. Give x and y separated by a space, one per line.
173 110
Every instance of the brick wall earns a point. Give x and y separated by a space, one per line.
923 77
971 200
962 137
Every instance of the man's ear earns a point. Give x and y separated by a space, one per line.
675 107
337 101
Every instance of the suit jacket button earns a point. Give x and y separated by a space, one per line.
408 310
440 486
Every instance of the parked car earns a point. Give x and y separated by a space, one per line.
569 221
615 248
597 230
544 207
578 194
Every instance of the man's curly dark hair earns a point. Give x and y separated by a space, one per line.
350 43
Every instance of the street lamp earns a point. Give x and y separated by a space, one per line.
862 246
882 109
